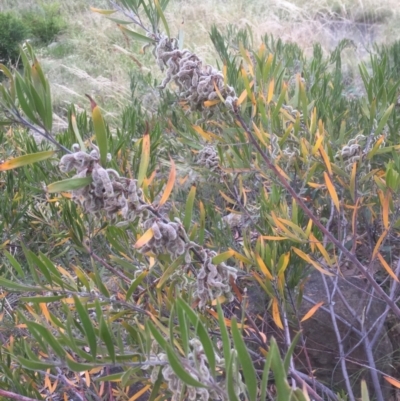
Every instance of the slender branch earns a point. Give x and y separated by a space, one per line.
314 219
14 396
338 336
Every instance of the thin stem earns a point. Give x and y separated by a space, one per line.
14 396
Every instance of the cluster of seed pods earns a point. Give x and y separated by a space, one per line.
197 83
108 191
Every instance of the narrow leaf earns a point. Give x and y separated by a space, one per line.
387 267
275 313
170 184
245 360
100 131
26 159
392 381
69 184
145 238
332 191
311 312
161 15
145 157
189 208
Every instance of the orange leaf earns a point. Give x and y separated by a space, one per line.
392 381
385 210
387 267
170 184
326 159
275 313
332 191
140 392
311 312
145 238
379 243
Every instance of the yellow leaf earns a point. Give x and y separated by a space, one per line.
392 381
140 392
307 258
275 313
321 248
101 11
332 191
387 267
145 238
242 97
145 158
317 144
170 184
240 257
326 159
311 312
208 136
273 238
270 91
263 267
353 181
210 103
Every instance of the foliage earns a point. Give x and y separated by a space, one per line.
44 22
12 33
129 263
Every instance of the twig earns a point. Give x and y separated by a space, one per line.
338 336
15 396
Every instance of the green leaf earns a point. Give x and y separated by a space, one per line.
135 284
226 342
75 129
34 365
77 366
26 159
265 377
69 184
170 269
201 332
12 286
14 263
179 370
135 35
100 131
189 208
87 326
183 328
289 353
230 380
105 335
42 300
384 120
364 391
161 15
157 335
48 337
245 360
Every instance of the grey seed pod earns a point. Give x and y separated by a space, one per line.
156 231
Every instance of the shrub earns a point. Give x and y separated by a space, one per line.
12 33
123 271
44 22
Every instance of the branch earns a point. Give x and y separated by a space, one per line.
14 396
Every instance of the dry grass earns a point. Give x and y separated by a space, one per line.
85 59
